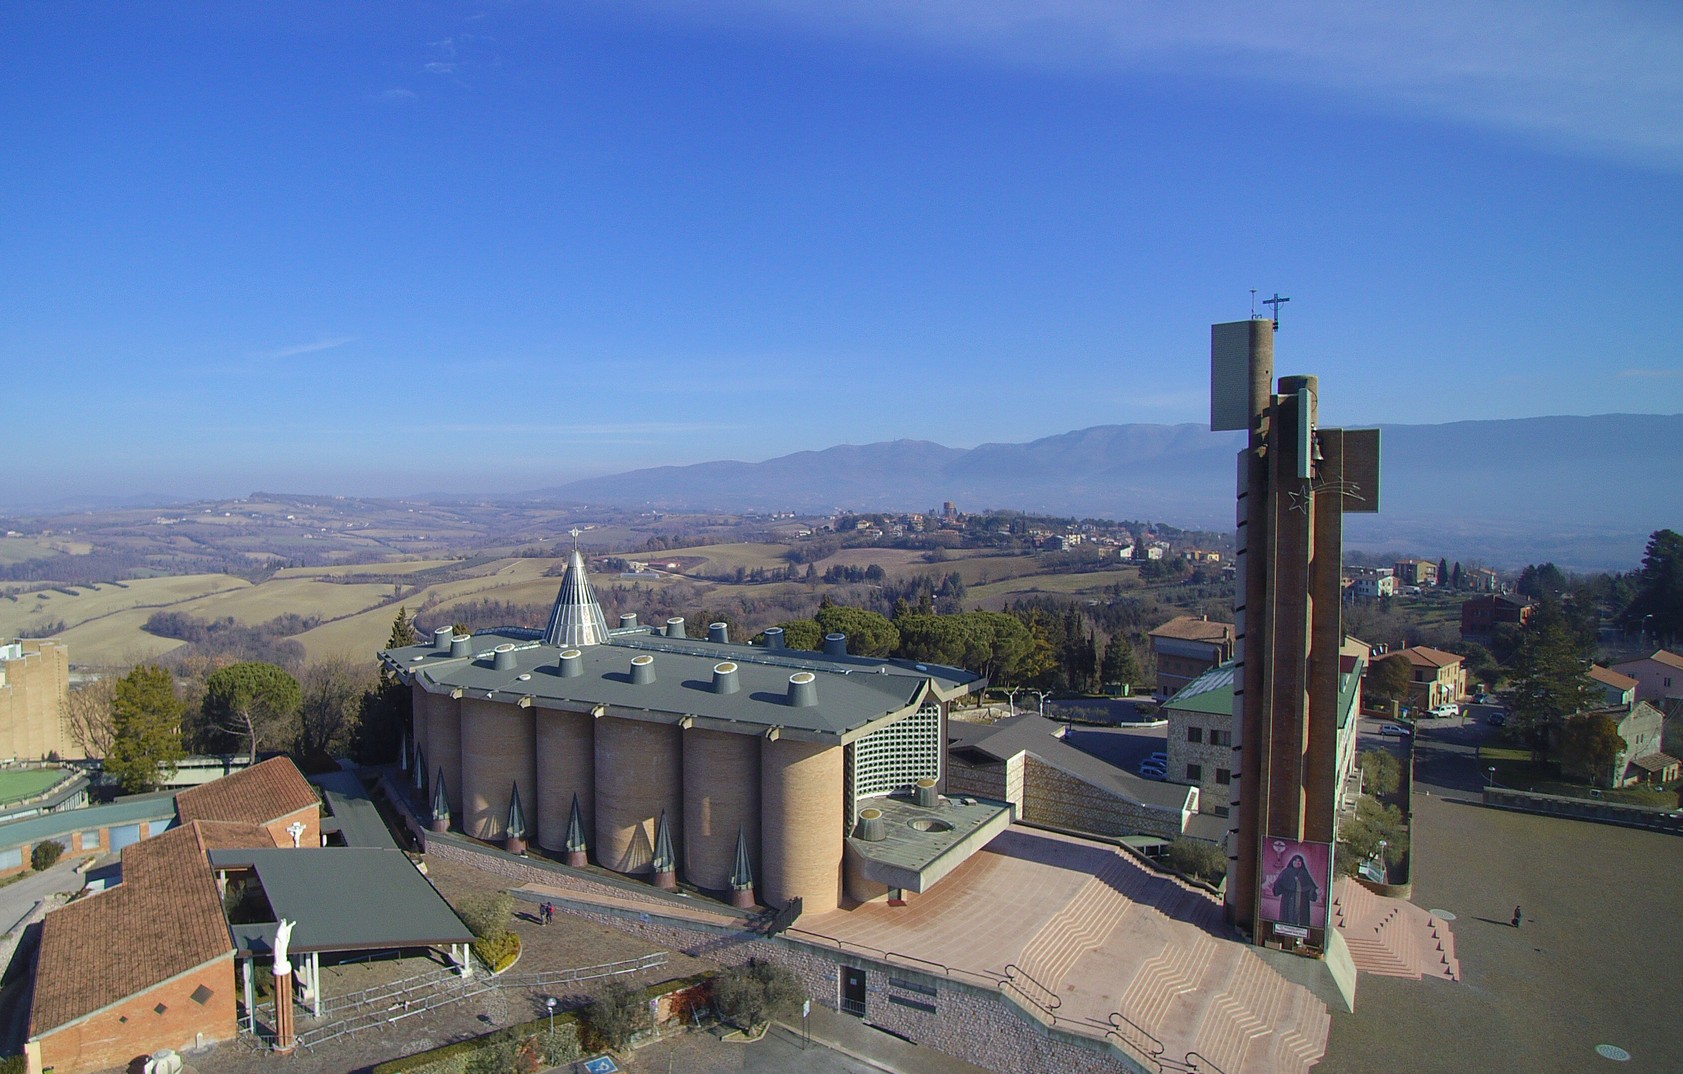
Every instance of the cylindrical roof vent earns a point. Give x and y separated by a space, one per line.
461 645
774 637
926 793
871 826
725 680
627 620
719 632
803 689
441 638
675 627
835 645
642 668
572 663
503 660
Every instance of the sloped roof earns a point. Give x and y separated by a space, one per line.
262 793
164 919
1426 656
1210 693
1036 735
1193 628
1612 678
576 618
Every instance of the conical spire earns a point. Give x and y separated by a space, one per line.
420 768
516 828
575 829
403 752
742 876
665 861
440 800
576 618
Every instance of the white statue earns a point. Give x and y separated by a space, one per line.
283 940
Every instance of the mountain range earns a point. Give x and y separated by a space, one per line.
1583 492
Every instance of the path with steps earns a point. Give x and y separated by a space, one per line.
1106 935
1392 937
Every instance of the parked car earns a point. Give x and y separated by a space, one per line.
1485 699
1497 719
1158 758
1154 769
1446 712
1396 730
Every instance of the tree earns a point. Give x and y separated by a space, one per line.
1590 746
146 732
1387 680
617 1013
868 633
252 700
1659 588
1443 572
1542 581
1381 771
753 994
330 707
44 855
1549 675
383 714
1457 580
1373 824
1119 665
89 717
1198 859
802 634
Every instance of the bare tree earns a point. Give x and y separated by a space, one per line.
331 705
89 717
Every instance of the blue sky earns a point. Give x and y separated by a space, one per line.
396 248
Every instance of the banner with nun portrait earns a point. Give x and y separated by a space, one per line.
1296 885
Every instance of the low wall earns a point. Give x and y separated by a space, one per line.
1628 816
974 1020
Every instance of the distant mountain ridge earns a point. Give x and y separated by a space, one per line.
1585 490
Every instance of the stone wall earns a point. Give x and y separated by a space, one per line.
1055 798
1628 816
974 1021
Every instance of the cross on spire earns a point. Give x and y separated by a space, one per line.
1276 302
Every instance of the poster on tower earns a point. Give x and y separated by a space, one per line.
1296 885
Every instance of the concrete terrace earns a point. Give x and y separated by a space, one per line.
1101 945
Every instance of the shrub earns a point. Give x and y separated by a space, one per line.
1198 859
561 1046
45 855
498 952
757 992
486 916
617 1013
1381 771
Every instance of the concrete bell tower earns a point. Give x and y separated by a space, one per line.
1295 483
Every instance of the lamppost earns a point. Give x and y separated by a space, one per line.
549 1001
1490 776
1644 631
1384 866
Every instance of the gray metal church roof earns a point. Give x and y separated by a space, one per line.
576 619
854 694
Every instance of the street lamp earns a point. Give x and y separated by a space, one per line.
1490 776
549 1001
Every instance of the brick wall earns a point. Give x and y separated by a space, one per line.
1055 798
112 1037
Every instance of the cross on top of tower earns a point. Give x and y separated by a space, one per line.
1276 302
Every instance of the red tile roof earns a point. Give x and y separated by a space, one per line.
1612 678
164 919
1426 656
261 793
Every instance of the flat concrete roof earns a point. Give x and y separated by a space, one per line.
354 813
921 845
854 694
343 899
159 805
1032 733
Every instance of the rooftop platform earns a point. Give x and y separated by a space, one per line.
921 845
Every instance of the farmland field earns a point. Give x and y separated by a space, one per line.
82 604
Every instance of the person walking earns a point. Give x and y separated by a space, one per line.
1519 916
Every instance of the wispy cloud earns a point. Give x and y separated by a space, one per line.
398 96
308 348
1651 374
1588 76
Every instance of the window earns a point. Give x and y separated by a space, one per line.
1224 776
1194 773
1221 738
1196 734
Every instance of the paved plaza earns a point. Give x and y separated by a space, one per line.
1594 963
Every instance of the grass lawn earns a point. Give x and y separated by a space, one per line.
1516 769
18 785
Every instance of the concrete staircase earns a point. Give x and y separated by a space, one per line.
1392 937
1155 950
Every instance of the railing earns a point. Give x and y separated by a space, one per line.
1136 1038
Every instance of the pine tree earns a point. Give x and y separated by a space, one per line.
146 742
1120 664
1549 674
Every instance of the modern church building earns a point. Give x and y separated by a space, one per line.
754 773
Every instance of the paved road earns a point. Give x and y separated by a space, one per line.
20 896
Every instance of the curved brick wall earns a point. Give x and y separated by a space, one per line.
566 764
444 747
801 837
721 794
498 751
639 772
